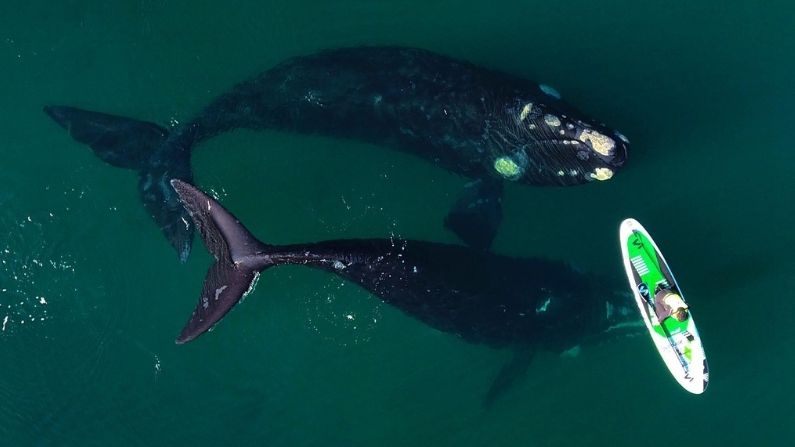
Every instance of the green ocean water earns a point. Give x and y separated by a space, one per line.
92 297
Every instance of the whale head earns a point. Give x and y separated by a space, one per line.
541 140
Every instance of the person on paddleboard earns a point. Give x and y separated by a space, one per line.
668 303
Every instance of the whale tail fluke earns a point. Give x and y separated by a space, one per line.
119 141
132 144
239 258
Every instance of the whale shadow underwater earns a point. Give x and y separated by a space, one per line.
524 304
480 123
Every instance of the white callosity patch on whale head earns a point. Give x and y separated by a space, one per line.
599 142
549 90
507 167
512 166
527 109
552 120
602 174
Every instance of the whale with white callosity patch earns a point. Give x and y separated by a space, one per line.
480 123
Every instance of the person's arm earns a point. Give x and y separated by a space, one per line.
660 308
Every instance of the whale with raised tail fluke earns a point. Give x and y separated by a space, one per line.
520 303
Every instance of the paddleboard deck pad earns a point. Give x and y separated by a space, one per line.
677 342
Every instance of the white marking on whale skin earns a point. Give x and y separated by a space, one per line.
339 265
543 307
218 292
625 324
601 174
314 98
512 166
571 352
526 110
209 207
549 90
508 167
621 136
552 120
251 286
600 143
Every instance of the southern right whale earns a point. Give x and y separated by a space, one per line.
480 123
521 303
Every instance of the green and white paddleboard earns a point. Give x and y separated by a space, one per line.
678 342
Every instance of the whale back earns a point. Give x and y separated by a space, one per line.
468 119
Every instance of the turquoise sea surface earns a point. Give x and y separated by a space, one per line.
92 296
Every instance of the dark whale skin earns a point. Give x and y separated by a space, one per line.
477 122
455 114
481 297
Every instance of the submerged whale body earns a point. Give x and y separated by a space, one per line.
524 304
480 123
479 296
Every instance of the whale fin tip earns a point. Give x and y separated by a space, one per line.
477 213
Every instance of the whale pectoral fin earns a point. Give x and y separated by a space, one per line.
510 375
477 213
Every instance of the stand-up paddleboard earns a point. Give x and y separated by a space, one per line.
678 342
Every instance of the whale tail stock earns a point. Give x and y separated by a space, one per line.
132 144
239 259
